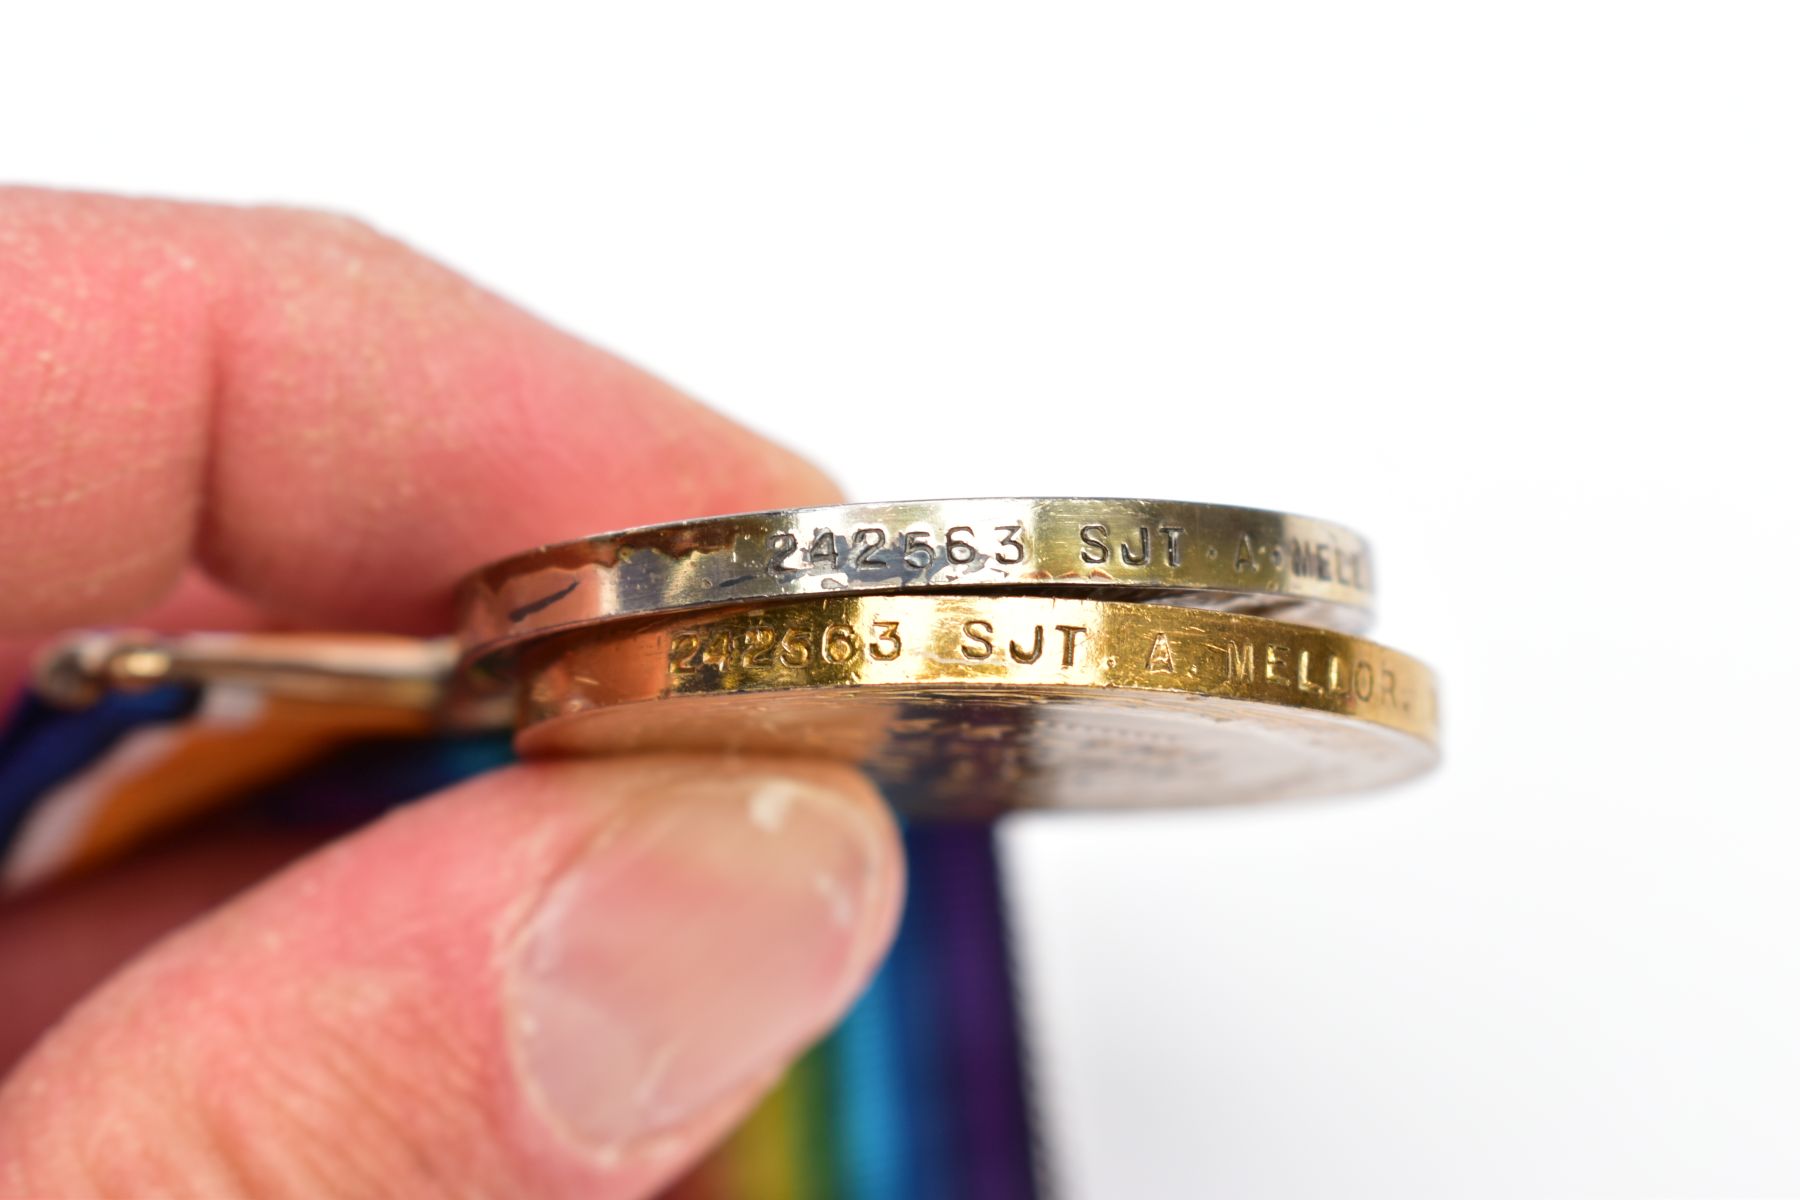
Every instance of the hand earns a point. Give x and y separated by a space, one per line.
558 978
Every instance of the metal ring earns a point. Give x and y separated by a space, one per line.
1206 555
969 706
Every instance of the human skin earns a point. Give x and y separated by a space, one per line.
555 979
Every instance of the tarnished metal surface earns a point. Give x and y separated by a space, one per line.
969 705
1212 556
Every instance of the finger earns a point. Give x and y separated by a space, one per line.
57 944
333 425
558 979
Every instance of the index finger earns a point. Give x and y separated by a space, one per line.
330 424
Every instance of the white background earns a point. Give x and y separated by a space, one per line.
1514 288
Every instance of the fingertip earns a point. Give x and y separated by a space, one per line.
562 978
337 426
775 884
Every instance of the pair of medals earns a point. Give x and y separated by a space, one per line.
975 656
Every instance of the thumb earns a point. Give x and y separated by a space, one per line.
561 978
